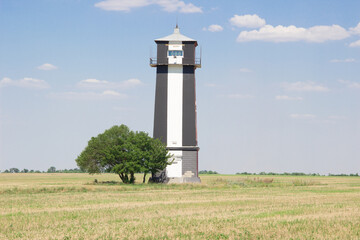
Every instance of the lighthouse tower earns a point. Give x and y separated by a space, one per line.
175 104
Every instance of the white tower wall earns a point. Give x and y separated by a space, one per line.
174 118
175 106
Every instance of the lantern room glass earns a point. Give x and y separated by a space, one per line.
175 53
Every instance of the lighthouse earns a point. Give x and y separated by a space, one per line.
175 105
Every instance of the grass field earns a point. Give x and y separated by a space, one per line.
72 206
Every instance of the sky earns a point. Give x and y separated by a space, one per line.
278 91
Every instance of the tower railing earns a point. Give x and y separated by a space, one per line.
198 62
154 62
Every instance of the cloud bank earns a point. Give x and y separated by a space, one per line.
292 33
268 33
24 83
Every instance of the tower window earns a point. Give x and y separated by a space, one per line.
175 53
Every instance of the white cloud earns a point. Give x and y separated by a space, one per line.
132 82
245 70
105 95
239 96
350 84
355 30
347 60
305 87
302 116
47 67
167 5
355 44
292 34
25 83
92 83
112 93
287 98
98 90
122 5
5 81
248 21
213 28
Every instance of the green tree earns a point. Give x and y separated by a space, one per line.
152 154
14 170
51 170
123 152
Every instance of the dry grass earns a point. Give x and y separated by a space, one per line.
71 206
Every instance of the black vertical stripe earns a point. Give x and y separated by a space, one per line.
189 162
189 114
160 116
162 49
189 53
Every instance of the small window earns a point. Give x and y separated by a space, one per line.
175 53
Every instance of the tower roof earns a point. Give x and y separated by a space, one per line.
176 36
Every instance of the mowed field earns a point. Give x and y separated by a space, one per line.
72 206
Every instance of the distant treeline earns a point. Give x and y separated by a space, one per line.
50 170
298 174
77 170
344 175
207 172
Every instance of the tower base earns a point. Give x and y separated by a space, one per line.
187 177
183 169
184 180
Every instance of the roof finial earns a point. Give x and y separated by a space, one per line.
177 26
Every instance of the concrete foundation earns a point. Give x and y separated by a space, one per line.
184 180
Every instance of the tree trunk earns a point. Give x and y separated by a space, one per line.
132 178
144 177
124 178
121 177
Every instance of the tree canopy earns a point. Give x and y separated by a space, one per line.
125 153
51 169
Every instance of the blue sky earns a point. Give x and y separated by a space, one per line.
279 89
